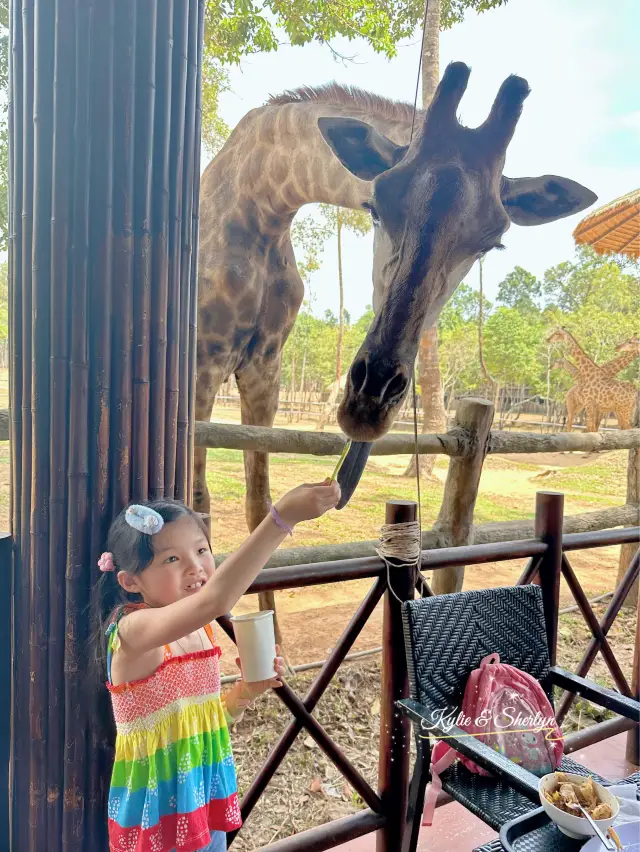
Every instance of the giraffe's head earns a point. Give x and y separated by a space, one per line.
560 335
438 205
632 345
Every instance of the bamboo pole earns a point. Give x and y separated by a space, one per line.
125 125
176 159
102 304
160 255
23 463
16 142
63 80
99 159
143 181
195 230
187 259
40 409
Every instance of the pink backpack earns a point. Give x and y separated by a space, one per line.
510 712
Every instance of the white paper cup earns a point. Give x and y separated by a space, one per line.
256 641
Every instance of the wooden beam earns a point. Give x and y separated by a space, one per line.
231 436
603 519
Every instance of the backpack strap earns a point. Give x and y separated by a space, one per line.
449 756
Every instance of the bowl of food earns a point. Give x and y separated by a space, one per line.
560 790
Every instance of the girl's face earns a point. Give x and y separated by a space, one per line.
182 564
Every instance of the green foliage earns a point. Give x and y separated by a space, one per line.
512 341
238 28
521 290
308 237
453 11
462 308
611 281
356 221
215 80
318 338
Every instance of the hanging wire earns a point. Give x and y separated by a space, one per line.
409 529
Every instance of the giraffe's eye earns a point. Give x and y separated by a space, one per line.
374 213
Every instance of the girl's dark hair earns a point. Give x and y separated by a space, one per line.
132 551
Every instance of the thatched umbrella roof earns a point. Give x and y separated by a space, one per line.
614 228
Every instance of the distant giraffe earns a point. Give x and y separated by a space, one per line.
573 400
597 390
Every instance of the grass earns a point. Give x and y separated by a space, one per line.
507 492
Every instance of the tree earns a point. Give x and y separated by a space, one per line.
613 281
339 219
520 289
235 29
308 236
513 344
441 14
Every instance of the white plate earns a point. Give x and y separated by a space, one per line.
629 835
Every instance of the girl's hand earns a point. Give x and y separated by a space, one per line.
308 501
249 691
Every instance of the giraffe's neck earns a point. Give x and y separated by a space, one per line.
584 362
611 369
276 161
568 366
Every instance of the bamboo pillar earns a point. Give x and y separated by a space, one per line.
104 174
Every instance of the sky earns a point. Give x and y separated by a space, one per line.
581 120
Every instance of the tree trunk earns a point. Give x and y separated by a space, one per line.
292 389
429 379
341 289
304 367
434 417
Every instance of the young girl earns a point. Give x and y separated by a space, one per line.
173 787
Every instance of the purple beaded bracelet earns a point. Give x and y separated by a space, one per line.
276 517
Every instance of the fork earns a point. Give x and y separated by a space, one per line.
607 842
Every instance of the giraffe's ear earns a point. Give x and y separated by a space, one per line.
536 201
359 146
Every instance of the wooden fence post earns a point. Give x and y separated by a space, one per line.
548 528
104 144
455 521
633 737
395 729
628 551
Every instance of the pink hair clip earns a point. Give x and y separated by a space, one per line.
105 563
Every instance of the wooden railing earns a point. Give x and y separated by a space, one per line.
547 562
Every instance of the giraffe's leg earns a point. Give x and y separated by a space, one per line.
593 417
259 387
207 384
624 419
571 413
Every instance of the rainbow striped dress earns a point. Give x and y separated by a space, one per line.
174 778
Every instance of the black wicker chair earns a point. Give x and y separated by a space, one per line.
446 637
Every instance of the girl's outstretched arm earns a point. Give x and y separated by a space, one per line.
146 629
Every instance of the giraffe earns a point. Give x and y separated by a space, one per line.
598 391
573 399
438 201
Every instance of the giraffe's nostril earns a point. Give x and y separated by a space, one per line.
359 374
